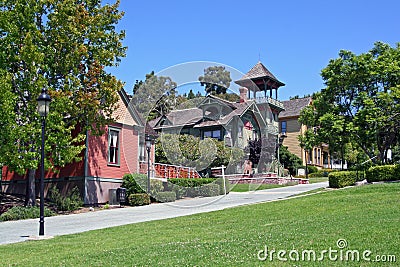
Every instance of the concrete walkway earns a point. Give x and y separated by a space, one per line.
17 231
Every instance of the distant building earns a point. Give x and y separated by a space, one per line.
290 126
255 116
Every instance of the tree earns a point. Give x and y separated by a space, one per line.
63 46
215 80
191 94
155 97
291 161
188 150
360 103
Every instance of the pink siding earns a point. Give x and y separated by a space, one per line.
128 152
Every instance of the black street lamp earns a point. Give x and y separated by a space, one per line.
43 108
149 139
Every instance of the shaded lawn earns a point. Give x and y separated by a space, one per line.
366 217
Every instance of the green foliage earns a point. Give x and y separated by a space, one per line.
71 202
168 196
216 80
209 190
138 199
312 169
22 213
360 104
383 173
220 182
342 179
134 183
156 186
155 97
184 182
190 151
291 161
64 47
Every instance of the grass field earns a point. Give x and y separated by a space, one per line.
367 218
252 187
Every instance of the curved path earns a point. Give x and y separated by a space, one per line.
17 231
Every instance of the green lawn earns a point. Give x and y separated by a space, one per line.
252 187
317 179
367 217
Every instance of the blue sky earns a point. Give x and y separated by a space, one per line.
293 39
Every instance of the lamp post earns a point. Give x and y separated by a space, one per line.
149 142
43 108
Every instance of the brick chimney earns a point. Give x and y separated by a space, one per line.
243 94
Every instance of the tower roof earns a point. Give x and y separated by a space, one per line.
260 76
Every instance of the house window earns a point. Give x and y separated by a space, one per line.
283 127
113 146
212 134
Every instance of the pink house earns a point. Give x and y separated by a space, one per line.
120 150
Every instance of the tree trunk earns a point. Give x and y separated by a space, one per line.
30 198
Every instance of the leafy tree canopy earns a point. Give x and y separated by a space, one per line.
63 46
360 104
155 97
216 80
187 150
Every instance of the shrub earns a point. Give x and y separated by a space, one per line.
72 201
168 196
383 173
209 190
21 213
180 191
312 169
156 186
192 182
342 179
220 182
138 199
134 183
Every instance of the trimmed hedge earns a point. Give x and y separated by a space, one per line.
167 196
220 182
342 179
209 190
191 182
138 199
383 173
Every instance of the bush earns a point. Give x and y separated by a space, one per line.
21 213
209 190
165 196
192 182
138 199
134 183
312 169
71 202
220 182
342 179
383 173
180 191
156 186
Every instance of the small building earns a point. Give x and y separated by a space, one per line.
106 159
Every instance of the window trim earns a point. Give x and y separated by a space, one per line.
118 153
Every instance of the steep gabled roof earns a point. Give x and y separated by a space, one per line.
258 72
294 107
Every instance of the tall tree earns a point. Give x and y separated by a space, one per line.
361 102
63 46
155 97
216 80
